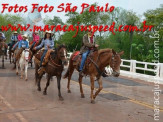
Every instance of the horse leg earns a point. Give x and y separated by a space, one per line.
81 88
39 82
3 62
59 87
69 78
92 89
21 69
47 84
17 68
100 87
26 68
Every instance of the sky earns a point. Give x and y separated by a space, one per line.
138 6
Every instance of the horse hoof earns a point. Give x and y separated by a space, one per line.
17 73
93 101
82 96
39 89
44 93
69 91
26 79
61 98
21 77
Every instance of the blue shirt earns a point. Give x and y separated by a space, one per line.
45 43
14 38
23 44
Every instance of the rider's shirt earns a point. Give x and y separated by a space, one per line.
14 38
36 37
45 43
23 44
20 37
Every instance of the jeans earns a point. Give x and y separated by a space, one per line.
33 45
84 56
15 46
42 57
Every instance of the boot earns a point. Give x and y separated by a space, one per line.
41 70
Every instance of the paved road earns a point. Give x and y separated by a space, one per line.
121 100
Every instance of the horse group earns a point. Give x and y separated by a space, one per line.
94 67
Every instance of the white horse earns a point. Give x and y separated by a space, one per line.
23 63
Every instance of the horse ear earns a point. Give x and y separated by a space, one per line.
121 53
113 51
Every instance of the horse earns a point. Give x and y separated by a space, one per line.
94 67
54 67
23 63
3 47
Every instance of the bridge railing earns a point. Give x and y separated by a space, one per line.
138 69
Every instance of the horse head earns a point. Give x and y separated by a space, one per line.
115 62
61 53
27 54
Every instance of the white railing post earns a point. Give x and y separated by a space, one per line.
161 70
133 66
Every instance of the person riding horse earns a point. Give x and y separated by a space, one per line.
23 44
20 37
48 43
3 39
14 39
36 38
88 45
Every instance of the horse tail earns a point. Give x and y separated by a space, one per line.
69 66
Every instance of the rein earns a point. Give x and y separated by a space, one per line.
97 67
54 62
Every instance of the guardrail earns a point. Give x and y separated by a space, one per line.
133 66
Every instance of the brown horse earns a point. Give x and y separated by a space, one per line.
94 67
3 53
54 67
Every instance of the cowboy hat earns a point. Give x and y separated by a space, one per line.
48 32
25 35
36 32
15 32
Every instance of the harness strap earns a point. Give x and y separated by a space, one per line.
54 62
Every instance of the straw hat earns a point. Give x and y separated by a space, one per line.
25 35
15 32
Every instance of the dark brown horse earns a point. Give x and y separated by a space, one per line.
94 67
3 52
54 67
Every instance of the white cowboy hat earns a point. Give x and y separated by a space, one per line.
50 32
15 32
25 35
36 31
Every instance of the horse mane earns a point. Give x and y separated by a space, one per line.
59 47
104 50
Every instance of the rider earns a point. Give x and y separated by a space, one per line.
36 38
3 39
48 43
20 37
87 45
23 44
14 39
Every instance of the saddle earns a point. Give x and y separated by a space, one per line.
77 58
46 58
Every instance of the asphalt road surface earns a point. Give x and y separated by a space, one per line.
121 100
